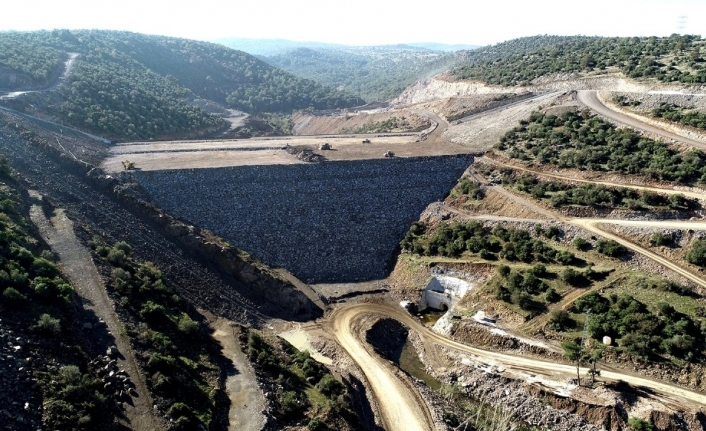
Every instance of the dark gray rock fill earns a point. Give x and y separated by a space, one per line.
325 222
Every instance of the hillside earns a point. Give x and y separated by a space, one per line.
375 73
133 86
519 61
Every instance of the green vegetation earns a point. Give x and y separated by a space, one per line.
466 187
392 124
305 388
474 237
687 117
697 253
661 239
610 248
519 61
637 424
134 86
586 142
599 196
375 73
641 331
37 302
25 56
180 357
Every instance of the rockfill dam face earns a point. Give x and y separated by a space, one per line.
329 222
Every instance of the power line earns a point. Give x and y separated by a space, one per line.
681 23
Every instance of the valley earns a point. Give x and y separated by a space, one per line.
247 282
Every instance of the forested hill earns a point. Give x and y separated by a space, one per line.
375 73
134 86
516 62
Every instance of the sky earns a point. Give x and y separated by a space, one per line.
364 22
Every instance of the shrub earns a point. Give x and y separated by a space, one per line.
610 248
289 403
637 424
315 425
124 247
48 325
697 253
152 312
116 257
13 297
582 244
551 295
44 268
560 320
573 277
162 363
329 386
659 239
188 326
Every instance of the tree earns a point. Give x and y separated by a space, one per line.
560 320
574 352
697 253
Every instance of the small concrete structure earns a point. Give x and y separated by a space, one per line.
442 293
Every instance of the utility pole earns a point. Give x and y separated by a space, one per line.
681 24
584 336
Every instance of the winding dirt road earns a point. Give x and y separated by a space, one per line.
401 406
591 100
661 190
398 403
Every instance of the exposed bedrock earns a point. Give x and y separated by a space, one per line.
324 222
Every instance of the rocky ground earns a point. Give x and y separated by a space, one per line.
22 405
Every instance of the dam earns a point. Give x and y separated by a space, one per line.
330 222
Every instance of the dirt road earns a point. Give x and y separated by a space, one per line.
77 265
591 100
661 190
398 404
247 401
401 406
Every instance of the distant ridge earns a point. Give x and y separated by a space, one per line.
375 73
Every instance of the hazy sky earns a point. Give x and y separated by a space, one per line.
363 22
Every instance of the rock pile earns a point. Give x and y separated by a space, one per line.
21 404
326 222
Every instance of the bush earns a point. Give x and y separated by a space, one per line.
288 402
44 268
124 247
315 425
48 325
551 295
573 277
329 386
610 248
117 257
582 244
188 326
697 253
13 298
637 424
560 320
660 239
152 312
